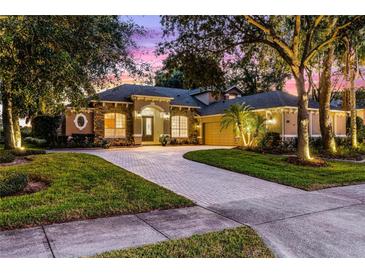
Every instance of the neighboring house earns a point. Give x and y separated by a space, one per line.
140 114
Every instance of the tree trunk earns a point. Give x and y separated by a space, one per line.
16 127
303 117
353 108
9 137
328 139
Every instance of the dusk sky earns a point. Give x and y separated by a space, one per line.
147 46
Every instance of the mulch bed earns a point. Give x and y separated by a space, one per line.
17 161
312 163
33 185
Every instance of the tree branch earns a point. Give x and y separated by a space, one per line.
277 43
336 34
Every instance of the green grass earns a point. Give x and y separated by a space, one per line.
82 186
276 169
240 242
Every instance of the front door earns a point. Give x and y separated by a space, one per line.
147 135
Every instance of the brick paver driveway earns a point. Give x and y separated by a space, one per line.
295 223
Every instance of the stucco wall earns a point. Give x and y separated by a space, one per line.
316 130
70 127
290 124
274 120
340 125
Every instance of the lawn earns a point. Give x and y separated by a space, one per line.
82 186
275 168
240 242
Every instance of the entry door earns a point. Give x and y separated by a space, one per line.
147 128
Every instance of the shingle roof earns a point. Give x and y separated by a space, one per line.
185 97
123 93
270 99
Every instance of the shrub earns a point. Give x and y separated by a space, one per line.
164 139
36 141
45 127
270 140
6 156
360 128
11 184
82 140
26 132
26 152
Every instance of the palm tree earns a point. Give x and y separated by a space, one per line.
245 123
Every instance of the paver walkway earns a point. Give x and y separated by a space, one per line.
90 237
293 222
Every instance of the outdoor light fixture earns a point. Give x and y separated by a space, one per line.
271 121
165 115
137 114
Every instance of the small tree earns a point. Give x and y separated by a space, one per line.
246 124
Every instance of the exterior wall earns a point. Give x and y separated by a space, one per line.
100 109
338 120
274 119
314 124
340 129
290 124
70 127
138 106
361 114
193 123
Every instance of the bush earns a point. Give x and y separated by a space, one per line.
45 127
6 156
273 143
81 140
26 152
360 128
270 140
11 184
26 132
36 141
164 139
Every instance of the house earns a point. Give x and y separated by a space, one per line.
140 114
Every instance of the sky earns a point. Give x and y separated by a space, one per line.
147 46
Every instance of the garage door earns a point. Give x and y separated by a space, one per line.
214 136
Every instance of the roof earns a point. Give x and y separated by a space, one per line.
185 97
124 92
262 100
234 88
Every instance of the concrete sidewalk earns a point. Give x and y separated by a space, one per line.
90 237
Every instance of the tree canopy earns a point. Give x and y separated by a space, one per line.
52 59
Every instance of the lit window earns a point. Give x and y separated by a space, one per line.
179 126
114 125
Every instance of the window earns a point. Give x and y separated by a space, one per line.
114 124
179 126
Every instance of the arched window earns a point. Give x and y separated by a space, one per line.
114 125
179 126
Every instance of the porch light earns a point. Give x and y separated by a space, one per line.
271 121
137 114
165 115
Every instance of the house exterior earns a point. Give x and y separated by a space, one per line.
136 114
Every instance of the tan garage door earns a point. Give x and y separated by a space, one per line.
214 136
